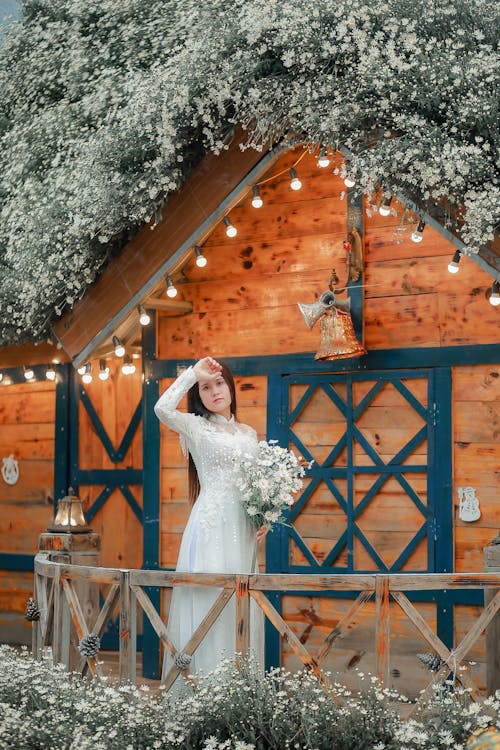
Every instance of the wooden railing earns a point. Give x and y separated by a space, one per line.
55 585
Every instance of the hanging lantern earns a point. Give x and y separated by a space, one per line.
69 517
338 340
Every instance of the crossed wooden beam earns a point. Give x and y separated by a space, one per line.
244 588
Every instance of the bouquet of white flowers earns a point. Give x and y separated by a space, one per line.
268 483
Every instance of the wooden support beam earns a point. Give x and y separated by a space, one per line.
176 307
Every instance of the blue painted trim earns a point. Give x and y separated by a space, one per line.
381 359
61 435
98 503
113 477
116 456
96 423
134 505
276 416
130 432
442 489
151 493
16 561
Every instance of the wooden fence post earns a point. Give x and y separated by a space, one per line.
242 617
492 565
127 630
382 627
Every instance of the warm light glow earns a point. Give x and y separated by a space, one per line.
453 265
230 230
495 294
349 182
50 373
119 348
201 261
103 370
81 370
87 375
385 208
28 373
1 376
257 201
323 160
128 367
417 235
171 290
295 183
144 318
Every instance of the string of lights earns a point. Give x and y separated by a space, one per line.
324 160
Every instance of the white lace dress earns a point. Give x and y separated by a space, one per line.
218 538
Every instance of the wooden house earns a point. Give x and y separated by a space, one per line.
396 434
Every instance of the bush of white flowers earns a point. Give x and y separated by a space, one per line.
44 708
106 107
268 483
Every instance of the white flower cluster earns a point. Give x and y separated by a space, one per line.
269 482
45 708
105 108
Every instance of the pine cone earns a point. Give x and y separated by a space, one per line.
32 613
89 646
433 662
182 661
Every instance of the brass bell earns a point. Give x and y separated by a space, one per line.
69 517
338 340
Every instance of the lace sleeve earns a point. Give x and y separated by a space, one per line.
166 406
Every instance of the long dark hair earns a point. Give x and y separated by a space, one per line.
195 406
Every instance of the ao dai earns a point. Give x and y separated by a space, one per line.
218 537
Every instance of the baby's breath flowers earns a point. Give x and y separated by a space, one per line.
45 708
269 482
105 108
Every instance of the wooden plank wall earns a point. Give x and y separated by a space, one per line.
27 414
245 304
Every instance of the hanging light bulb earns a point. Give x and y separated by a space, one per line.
144 318
295 183
349 181
1 376
50 373
103 370
495 294
416 236
323 160
28 373
385 208
453 265
119 348
257 201
128 367
81 369
201 261
230 230
171 290
87 375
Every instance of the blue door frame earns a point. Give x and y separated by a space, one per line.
437 513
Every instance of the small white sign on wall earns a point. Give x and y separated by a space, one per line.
468 504
10 469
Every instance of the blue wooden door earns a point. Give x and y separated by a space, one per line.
378 495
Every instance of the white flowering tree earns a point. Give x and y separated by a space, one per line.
105 107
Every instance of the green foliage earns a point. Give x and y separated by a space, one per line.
105 108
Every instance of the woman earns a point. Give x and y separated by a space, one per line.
218 537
